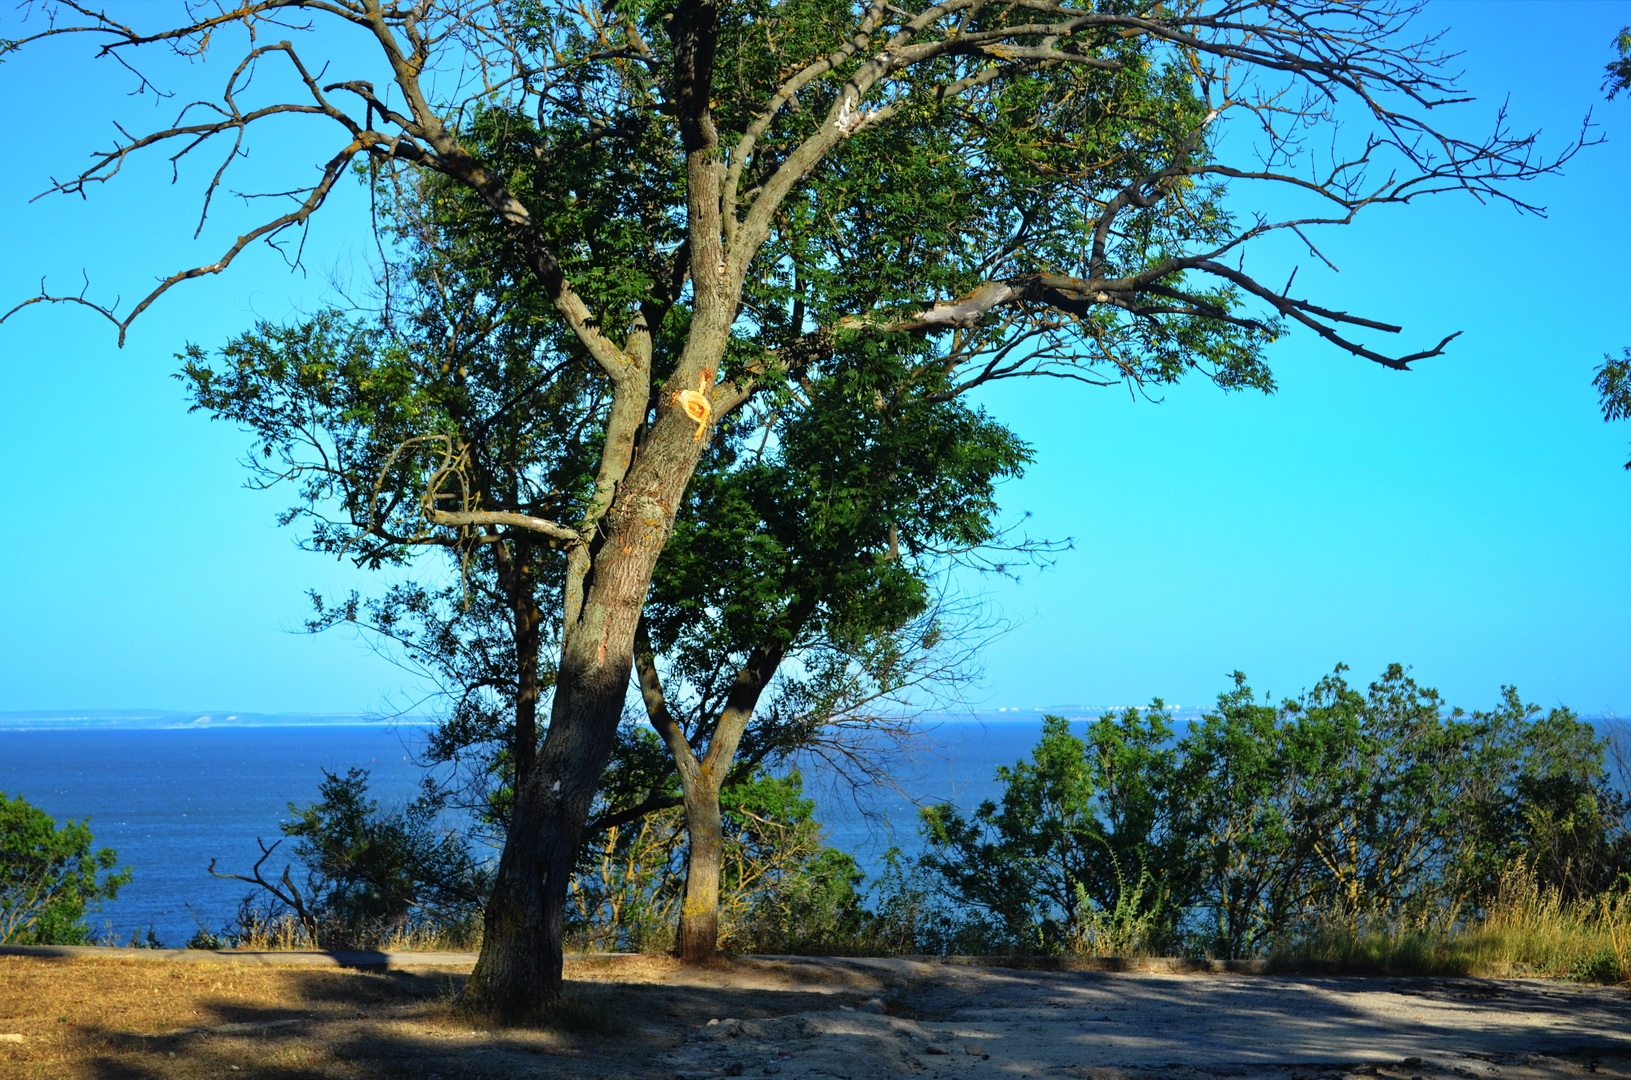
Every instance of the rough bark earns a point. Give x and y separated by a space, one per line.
701 781
518 976
697 941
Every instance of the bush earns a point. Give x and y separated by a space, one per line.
373 878
48 876
1049 863
781 889
1373 820
376 875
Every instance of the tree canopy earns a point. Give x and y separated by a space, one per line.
1618 73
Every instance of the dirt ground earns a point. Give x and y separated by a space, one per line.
123 1018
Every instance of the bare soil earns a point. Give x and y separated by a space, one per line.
130 1018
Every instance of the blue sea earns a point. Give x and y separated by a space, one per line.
170 800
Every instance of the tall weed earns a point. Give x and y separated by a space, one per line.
1528 929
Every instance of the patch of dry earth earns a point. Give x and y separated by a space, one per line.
947 1022
800 1019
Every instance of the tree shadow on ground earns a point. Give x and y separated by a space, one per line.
637 1017
406 1024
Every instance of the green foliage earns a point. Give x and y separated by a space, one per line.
789 891
149 940
372 876
1050 862
49 876
823 537
1603 966
1250 853
1617 76
359 418
205 938
781 890
909 912
374 872
828 503
1382 802
1613 380
1263 824
926 206
1135 924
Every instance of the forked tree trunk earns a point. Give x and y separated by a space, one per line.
698 940
701 782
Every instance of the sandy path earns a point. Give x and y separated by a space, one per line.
889 1019
971 1021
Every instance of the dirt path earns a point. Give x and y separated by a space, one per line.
970 1021
641 1017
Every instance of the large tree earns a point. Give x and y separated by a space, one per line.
778 560
706 201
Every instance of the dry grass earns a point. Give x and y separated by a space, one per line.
127 1018
1527 931
260 931
135 1019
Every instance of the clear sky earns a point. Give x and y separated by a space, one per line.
1469 518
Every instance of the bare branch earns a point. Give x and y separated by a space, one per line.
465 518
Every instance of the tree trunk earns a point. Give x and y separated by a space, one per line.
517 978
701 781
518 975
699 913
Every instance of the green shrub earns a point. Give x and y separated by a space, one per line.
1045 864
373 878
1365 821
49 876
782 890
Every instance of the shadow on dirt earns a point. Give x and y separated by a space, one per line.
406 1024
886 1020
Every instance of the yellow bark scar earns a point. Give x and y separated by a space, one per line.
696 403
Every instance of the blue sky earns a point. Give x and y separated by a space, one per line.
1469 518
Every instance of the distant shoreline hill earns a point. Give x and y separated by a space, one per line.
168 719
997 715
174 720
171 719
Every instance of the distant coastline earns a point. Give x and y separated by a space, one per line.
168 719
178 720
175 719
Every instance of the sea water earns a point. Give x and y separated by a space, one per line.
170 801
